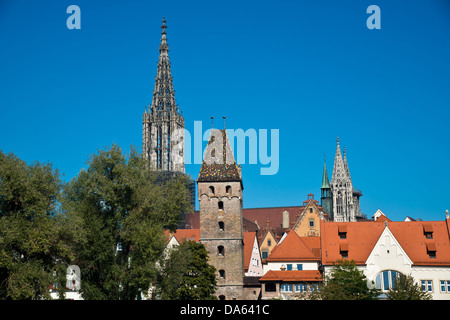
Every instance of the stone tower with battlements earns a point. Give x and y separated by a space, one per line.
163 123
220 202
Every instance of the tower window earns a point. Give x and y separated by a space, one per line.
228 190
221 226
220 205
222 274
211 189
220 251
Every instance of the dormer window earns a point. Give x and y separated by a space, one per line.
428 231
342 231
431 250
343 250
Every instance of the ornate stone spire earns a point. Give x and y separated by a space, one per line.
325 181
163 125
338 168
341 189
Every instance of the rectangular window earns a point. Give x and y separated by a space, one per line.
286 287
445 286
299 266
427 285
311 223
300 287
289 267
385 280
265 254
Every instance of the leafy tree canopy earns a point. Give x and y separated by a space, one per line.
34 237
119 208
346 282
405 288
187 275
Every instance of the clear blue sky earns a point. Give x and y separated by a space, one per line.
311 69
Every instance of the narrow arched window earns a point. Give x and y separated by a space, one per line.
220 205
220 250
211 189
228 190
222 274
221 226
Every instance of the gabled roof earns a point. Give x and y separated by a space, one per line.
292 248
292 275
361 238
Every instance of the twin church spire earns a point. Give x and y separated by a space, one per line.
339 198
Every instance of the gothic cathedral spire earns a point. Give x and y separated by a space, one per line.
163 124
345 197
341 189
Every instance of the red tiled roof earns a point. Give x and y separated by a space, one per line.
249 239
292 275
258 215
272 214
292 248
187 234
362 236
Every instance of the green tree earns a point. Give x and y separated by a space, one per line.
405 288
186 274
119 210
34 237
346 282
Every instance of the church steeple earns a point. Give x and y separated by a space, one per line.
163 124
342 189
326 200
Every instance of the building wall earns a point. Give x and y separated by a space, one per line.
278 265
308 224
268 243
255 267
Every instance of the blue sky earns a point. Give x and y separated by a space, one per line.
311 69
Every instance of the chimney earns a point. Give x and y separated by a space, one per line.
285 223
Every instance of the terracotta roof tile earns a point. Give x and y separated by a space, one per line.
249 239
361 238
292 275
292 248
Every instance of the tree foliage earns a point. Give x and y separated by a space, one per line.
186 274
119 209
34 238
405 288
346 282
